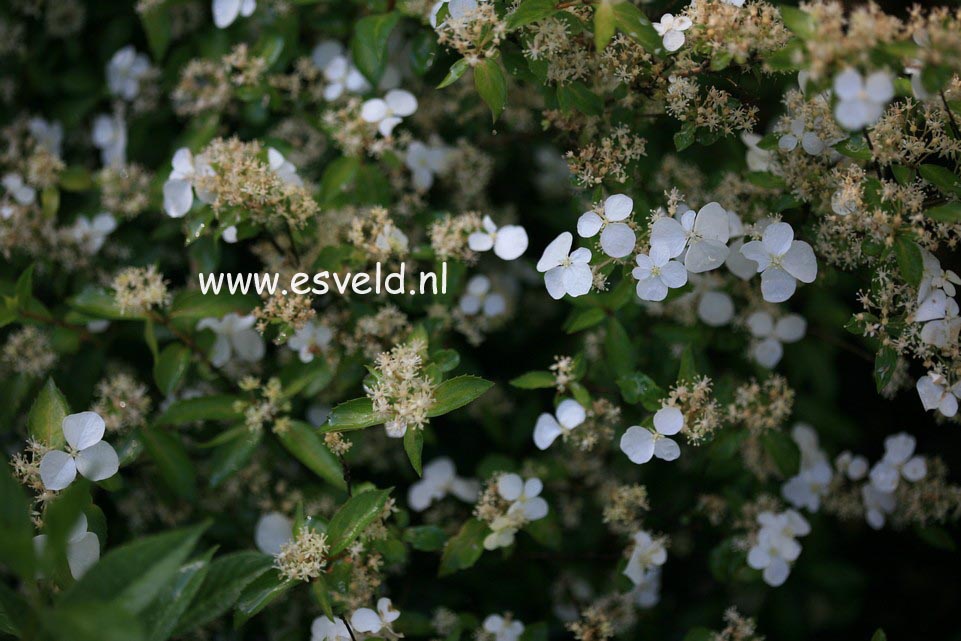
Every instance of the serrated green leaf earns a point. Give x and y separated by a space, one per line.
353 517
355 414
304 442
538 379
457 392
226 579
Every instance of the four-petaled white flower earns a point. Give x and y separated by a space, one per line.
617 237
861 100
124 72
227 11
672 30
566 272
342 76
782 261
235 335
777 547
87 453
309 340
83 547
372 622
479 297
178 191
936 394
648 553
939 313
90 235
808 487
641 444
810 141
425 162
508 242
440 479
657 273
898 461
769 335
525 496
389 111
110 137
324 629
703 234
20 191
503 628
273 531
569 414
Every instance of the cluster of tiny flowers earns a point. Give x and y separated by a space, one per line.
400 391
140 289
304 557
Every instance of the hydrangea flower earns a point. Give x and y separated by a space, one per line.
657 273
478 298
898 461
370 622
440 479
273 531
617 238
227 11
125 71
703 234
109 135
90 235
566 272
776 547
781 261
648 553
810 141
324 629
87 453
508 242
671 29
769 335
20 191
861 100
524 495
83 547
934 278
235 335
503 628
309 340
937 395
425 162
715 309
641 444
569 414
939 313
389 111
178 191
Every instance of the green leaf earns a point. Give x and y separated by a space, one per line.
879 635
45 420
576 95
369 45
228 459
799 22
99 304
854 147
414 446
353 517
457 392
605 24
910 261
530 11
172 461
686 136
584 318
156 24
946 213
355 414
937 537
226 580
537 379
688 369
885 364
170 605
456 71
783 450
14 612
638 387
194 305
464 548
422 52
318 588
337 177
618 349
132 575
205 408
259 594
170 367
426 538
304 442
491 84
634 24
942 178
16 528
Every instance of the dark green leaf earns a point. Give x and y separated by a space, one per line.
305 443
942 178
259 594
226 580
45 420
457 392
946 213
205 408
605 24
456 71
355 414
634 24
172 462
353 517
538 379
530 11
464 548
170 605
783 450
170 367
369 44
16 529
491 85
426 538
885 364
910 261
414 446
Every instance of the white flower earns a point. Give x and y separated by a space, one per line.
672 30
20 191
877 505
83 547
617 238
273 531
808 486
854 467
648 593
124 72
641 444
757 159
440 479
769 335
178 191
939 313
323 629
715 309
342 76
935 394
656 273
569 414
861 101
703 234
388 112
810 141
524 496
425 162
934 277
479 298
563 273
807 442
226 11
776 547
508 242
782 261
87 453
229 234
48 135
235 334
89 234
503 629
283 167
648 553
110 137
371 622
309 340
503 529
897 462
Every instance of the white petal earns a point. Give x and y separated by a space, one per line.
669 233
480 241
273 531
182 163
667 449
754 251
618 207
577 279
581 255
248 7
712 223
738 264
555 253
758 558
791 328
365 620
899 448
511 242
374 110
82 554
715 309
777 285
668 421
852 114
879 87
638 444
652 289
674 274
617 240
554 281
178 198
760 324
57 470
546 431
915 469
787 142
471 304
510 486
930 392
421 494
848 84
673 40
767 352
570 413
386 126
705 255
83 430
401 103
494 305
225 12
777 572
885 477
535 509
98 462
682 23
249 345
777 239
800 262
589 224
533 487
812 143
